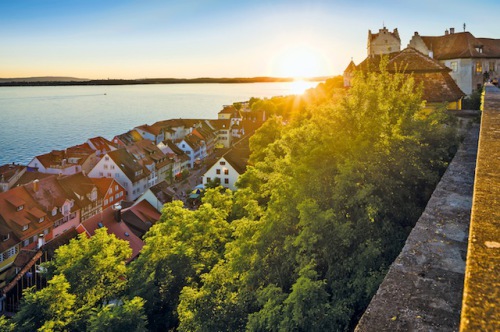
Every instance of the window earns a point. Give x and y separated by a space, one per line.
42 219
209 179
111 199
479 68
121 193
454 66
25 227
105 202
54 211
112 166
222 163
105 166
217 171
117 195
116 187
106 158
110 191
226 171
20 207
492 66
101 174
109 175
26 242
226 181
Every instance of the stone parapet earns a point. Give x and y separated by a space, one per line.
481 298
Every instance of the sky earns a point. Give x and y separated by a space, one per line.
132 39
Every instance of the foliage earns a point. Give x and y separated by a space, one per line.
473 101
50 309
337 180
183 245
128 316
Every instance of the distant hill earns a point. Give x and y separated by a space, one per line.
43 79
54 80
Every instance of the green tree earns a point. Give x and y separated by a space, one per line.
50 309
182 246
127 316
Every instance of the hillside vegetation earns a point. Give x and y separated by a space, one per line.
337 181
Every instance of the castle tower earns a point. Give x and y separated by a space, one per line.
383 42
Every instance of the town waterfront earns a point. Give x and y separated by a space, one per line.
36 120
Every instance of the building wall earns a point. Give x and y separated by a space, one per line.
219 170
384 43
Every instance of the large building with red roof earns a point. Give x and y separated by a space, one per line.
472 61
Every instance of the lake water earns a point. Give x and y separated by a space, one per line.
36 120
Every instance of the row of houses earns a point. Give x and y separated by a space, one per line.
98 183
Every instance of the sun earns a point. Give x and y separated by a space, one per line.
301 61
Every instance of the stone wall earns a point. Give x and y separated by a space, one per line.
422 290
481 298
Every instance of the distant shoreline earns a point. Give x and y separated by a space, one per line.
64 82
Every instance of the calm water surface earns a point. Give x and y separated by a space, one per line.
36 120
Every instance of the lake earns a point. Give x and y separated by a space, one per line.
36 120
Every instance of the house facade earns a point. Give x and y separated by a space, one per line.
125 169
84 193
227 169
66 162
22 222
111 191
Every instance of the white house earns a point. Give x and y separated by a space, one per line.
228 168
158 195
125 169
66 162
193 147
472 60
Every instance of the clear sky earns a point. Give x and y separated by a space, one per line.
197 38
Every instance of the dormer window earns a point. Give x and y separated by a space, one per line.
5 237
54 211
479 49
93 195
20 207
42 219
25 227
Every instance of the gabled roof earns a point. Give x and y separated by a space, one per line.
437 83
130 137
140 217
237 156
128 164
79 153
17 209
49 194
101 144
147 153
163 192
462 45
78 187
9 171
103 184
154 129
221 124
192 140
351 67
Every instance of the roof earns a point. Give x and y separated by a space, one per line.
237 156
162 192
101 144
78 187
147 153
103 184
48 193
130 137
438 86
140 217
372 36
8 171
155 129
128 164
350 67
14 217
120 229
61 158
462 45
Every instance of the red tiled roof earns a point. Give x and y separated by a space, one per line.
461 45
437 83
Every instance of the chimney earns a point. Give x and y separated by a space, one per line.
431 54
36 185
118 212
446 33
452 31
41 241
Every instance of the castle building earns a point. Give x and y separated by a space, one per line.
383 42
